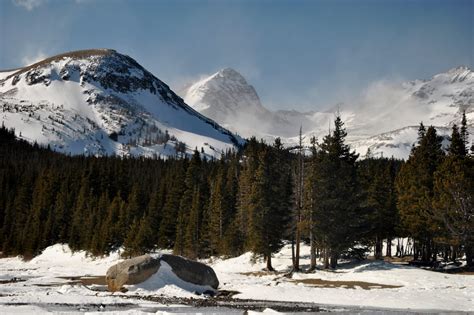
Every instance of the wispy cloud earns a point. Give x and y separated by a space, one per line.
29 4
30 59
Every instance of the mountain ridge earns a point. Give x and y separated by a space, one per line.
121 107
385 108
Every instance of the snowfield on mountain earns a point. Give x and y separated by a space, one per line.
384 118
99 102
49 282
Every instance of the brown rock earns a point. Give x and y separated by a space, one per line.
131 271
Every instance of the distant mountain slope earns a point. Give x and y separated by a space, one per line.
384 119
101 102
227 98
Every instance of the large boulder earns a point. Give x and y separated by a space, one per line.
191 271
131 271
139 269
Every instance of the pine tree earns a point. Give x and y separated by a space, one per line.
464 132
245 186
421 132
35 233
335 195
299 196
112 226
131 247
217 211
15 218
457 146
377 177
154 210
232 242
269 206
309 203
191 235
169 221
192 182
415 192
453 201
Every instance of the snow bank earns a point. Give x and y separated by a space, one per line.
417 289
166 282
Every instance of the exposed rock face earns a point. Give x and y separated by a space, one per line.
192 271
131 271
139 269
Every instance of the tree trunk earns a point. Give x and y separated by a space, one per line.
446 254
296 265
333 260
378 248
415 250
293 252
326 258
469 256
388 252
312 264
269 263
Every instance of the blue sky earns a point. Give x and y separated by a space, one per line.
298 54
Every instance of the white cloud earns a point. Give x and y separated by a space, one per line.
29 4
30 59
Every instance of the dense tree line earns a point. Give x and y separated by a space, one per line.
436 196
253 199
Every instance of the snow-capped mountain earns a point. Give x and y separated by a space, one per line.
384 118
230 100
101 102
387 119
227 98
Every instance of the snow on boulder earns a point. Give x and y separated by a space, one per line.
139 269
131 271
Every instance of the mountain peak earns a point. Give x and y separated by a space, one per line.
100 102
225 95
457 74
229 72
459 69
225 76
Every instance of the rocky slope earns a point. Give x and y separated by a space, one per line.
100 102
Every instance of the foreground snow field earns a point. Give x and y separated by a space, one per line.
44 285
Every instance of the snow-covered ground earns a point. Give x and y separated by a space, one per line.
370 284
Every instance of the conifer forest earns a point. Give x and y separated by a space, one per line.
255 199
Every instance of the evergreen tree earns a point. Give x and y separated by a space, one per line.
453 202
377 179
415 192
335 195
113 230
457 146
245 197
191 236
167 230
192 182
218 209
464 132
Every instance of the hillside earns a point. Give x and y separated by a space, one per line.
100 102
